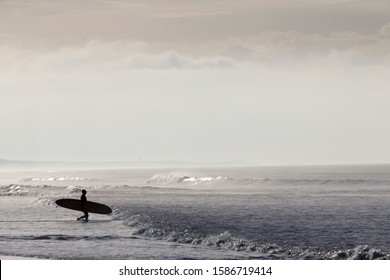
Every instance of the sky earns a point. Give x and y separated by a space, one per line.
267 82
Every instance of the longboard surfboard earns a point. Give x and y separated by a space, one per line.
91 207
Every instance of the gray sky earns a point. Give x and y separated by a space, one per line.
270 82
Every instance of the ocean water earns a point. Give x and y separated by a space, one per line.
318 212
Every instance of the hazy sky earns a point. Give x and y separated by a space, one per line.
265 81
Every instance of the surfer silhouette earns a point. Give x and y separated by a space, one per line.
83 199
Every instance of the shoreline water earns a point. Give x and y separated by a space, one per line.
223 213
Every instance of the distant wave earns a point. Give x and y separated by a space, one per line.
164 180
222 180
31 190
52 179
14 190
174 179
196 180
56 191
145 226
330 182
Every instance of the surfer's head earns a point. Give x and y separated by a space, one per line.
84 191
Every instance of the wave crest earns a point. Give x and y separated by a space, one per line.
174 179
14 190
146 226
56 179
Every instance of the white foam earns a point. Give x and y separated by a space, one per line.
60 179
14 190
196 180
174 179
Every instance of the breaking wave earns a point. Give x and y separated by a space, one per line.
14 190
174 179
41 190
146 226
22 190
56 179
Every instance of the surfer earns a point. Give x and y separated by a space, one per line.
83 199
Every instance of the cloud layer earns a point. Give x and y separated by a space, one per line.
58 23
272 96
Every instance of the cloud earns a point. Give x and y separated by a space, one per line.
268 48
58 23
385 30
172 59
300 48
95 56
272 97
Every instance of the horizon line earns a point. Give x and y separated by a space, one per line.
184 162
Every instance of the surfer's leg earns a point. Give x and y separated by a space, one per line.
86 216
82 217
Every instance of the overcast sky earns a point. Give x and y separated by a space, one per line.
265 81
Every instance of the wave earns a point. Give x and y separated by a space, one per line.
45 201
57 179
146 226
14 190
223 180
30 190
196 180
41 190
328 182
174 179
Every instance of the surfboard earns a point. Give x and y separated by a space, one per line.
90 207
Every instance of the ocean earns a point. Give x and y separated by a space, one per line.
307 212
